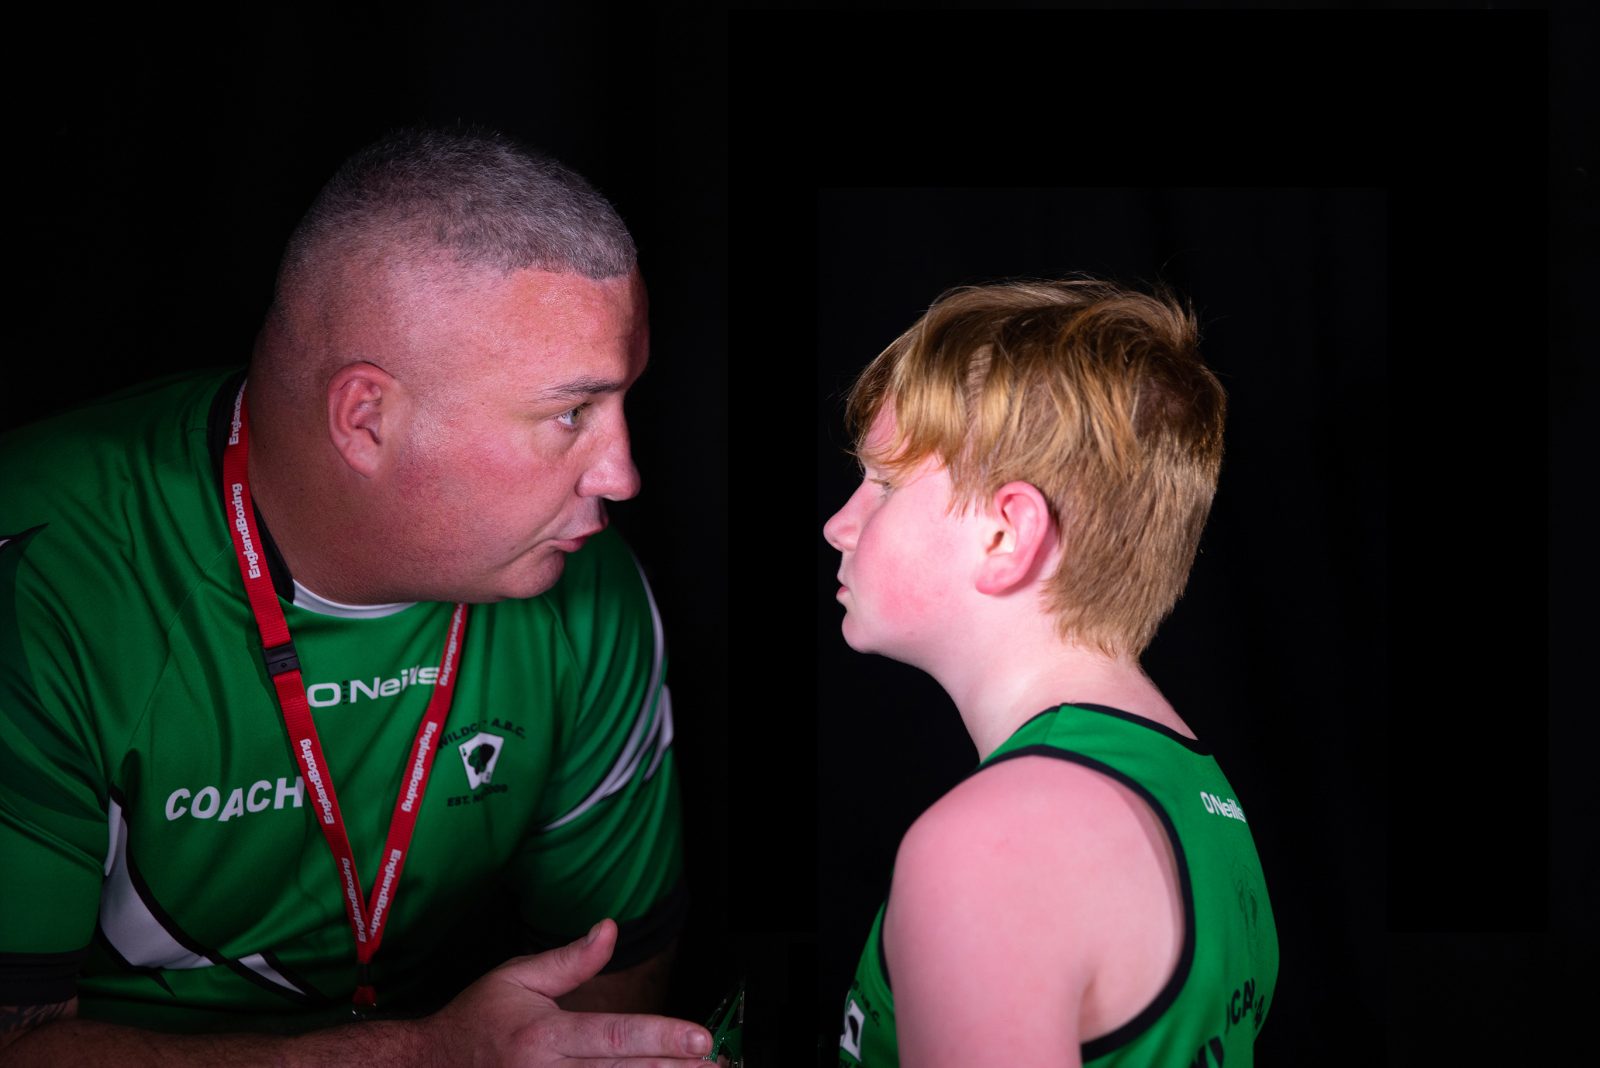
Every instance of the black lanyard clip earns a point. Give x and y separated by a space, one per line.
281 659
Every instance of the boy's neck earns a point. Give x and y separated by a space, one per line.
996 694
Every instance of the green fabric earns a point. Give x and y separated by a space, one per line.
135 712
1217 999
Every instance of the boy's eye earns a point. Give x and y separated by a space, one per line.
883 485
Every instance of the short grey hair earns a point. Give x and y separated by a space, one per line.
480 196
463 198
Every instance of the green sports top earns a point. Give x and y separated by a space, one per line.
158 855
1217 998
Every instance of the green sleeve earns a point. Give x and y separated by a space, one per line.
52 804
608 840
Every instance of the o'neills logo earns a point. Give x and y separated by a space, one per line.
238 402
1218 807
419 767
383 888
353 894
239 524
316 780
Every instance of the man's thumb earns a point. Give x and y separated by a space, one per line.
560 971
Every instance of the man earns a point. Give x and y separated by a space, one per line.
1039 460
297 668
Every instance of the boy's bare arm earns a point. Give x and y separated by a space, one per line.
996 935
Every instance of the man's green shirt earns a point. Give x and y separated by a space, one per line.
158 855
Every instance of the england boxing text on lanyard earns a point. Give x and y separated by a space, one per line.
283 666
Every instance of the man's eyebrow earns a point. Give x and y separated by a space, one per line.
578 387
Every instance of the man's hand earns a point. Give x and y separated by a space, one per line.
507 1018
510 1017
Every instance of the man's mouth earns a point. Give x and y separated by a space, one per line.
574 543
583 536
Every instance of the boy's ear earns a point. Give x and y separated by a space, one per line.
1018 536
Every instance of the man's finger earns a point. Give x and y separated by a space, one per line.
560 971
605 1034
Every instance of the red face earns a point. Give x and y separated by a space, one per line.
902 554
506 469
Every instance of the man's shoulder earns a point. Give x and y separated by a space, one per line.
85 460
105 514
120 412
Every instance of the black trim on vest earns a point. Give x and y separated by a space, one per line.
218 421
1192 744
883 949
40 978
1169 993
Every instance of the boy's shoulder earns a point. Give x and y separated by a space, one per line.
1061 875
1032 813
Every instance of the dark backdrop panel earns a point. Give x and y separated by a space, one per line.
1365 635
155 170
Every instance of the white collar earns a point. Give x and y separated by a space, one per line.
304 598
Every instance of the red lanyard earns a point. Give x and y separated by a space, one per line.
366 921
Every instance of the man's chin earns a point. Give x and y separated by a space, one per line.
535 576
524 578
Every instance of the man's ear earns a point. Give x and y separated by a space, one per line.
361 396
1018 537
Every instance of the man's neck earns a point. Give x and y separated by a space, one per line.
305 523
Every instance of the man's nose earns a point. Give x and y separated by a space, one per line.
612 475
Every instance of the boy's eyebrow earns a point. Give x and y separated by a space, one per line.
578 387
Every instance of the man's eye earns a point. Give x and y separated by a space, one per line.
572 416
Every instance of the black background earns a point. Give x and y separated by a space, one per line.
1387 220
1388 223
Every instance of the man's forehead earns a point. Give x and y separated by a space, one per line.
558 335
564 302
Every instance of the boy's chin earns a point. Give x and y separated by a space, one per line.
858 638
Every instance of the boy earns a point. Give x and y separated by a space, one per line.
1039 460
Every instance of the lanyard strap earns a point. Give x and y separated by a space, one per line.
283 665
